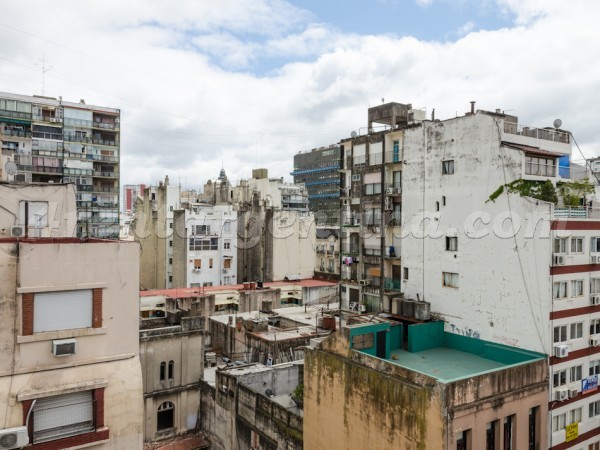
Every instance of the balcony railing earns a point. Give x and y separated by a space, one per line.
103 142
375 158
46 169
16 133
105 174
111 190
576 212
78 122
105 125
392 157
39 134
548 134
15 114
392 284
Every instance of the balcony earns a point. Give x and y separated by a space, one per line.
42 135
351 222
392 285
104 142
393 189
551 139
16 133
392 157
46 169
576 212
105 174
78 122
15 114
375 159
111 190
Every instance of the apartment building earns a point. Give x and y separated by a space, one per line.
205 246
318 169
48 140
502 242
276 231
70 375
386 385
327 262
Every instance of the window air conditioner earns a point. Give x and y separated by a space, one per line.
595 341
595 299
397 190
561 394
17 231
63 347
13 438
561 351
365 282
595 259
573 393
389 191
559 260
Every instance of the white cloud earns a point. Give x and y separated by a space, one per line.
183 114
424 3
466 28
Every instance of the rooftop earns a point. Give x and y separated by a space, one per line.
431 351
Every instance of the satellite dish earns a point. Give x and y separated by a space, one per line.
557 123
353 134
268 392
10 167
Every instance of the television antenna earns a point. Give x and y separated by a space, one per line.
43 70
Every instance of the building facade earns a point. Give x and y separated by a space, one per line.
318 169
45 140
327 262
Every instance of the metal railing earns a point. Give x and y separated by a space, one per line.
548 134
39 134
391 284
542 170
103 142
105 125
375 158
576 212
16 133
15 114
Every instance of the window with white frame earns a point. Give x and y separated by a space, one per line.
559 289
63 416
535 165
594 367
576 373
227 244
594 326
450 279
451 243
227 227
202 229
372 188
576 330
594 409
576 288
448 167
595 286
576 245
560 334
559 422
575 415
559 378
595 245
560 245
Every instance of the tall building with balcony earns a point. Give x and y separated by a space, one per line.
49 140
319 169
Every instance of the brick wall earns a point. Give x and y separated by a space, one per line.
97 308
27 318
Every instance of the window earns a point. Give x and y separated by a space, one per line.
171 370
170 243
405 274
227 227
577 330
170 260
594 326
448 167
198 244
594 409
363 341
560 334
164 416
576 288
544 167
576 373
559 422
451 244
202 229
576 245
197 264
594 446
171 225
372 188
210 263
595 245
227 263
61 310
437 206
443 200
509 434
560 245
559 289
450 279
163 368
595 286
575 415
226 245
559 378
170 278
396 151
462 440
62 416
594 367
491 435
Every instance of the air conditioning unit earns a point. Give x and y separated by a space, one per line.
595 259
196 270
225 270
52 119
365 282
356 177
353 306
595 299
561 395
397 190
14 438
388 204
389 191
559 260
561 351
595 341
573 393
63 347
17 231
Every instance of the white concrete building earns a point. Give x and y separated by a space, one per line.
505 267
204 246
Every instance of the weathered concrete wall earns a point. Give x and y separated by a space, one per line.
350 405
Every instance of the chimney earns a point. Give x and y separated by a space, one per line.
472 107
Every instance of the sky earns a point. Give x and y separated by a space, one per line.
242 84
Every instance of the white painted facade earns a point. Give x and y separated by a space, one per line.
211 250
489 268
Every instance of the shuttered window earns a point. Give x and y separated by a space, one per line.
62 310
62 416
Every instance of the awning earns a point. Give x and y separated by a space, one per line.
534 150
11 120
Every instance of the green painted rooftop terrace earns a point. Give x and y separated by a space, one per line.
434 352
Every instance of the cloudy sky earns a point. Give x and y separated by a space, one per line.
249 83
